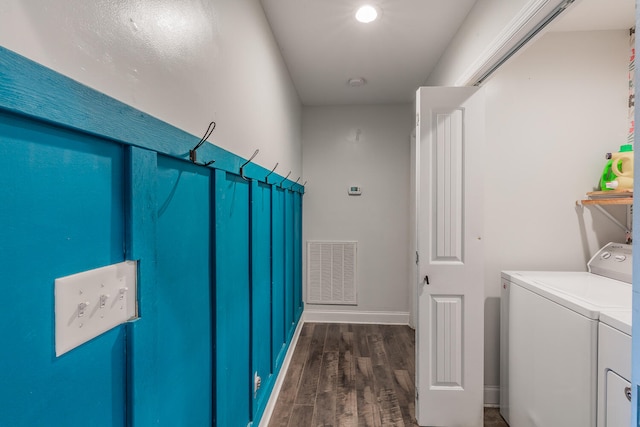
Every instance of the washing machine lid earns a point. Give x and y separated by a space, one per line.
582 292
618 319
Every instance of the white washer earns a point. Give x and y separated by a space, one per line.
549 339
614 369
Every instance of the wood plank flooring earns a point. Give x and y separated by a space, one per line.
348 375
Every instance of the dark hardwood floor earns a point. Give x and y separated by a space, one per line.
352 375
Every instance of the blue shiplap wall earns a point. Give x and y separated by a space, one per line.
87 182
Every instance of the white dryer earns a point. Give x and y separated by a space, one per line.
549 339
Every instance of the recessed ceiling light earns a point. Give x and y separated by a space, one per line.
356 81
366 14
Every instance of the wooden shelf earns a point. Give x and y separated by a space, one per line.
614 197
617 201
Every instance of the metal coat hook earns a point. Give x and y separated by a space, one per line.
193 156
304 183
285 178
291 188
255 153
266 178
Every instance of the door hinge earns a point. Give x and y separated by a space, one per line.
417 395
417 119
417 257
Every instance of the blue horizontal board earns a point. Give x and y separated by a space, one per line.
31 89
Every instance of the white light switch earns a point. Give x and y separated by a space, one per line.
90 303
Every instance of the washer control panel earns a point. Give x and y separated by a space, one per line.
614 260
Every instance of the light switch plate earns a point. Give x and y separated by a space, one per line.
90 303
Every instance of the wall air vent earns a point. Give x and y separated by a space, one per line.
331 272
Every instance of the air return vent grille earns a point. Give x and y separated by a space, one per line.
331 272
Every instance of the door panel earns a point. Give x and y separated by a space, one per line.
447 192
446 321
449 348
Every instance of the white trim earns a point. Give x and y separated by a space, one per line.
376 317
518 28
491 396
275 392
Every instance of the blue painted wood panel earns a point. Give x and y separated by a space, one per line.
143 339
233 376
297 256
183 297
261 292
277 278
61 211
289 283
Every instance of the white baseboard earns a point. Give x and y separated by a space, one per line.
375 317
271 404
491 396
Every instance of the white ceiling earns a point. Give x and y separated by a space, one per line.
323 45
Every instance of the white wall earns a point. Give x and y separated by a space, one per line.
367 146
186 63
490 29
552 114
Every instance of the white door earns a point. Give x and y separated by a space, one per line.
450 330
